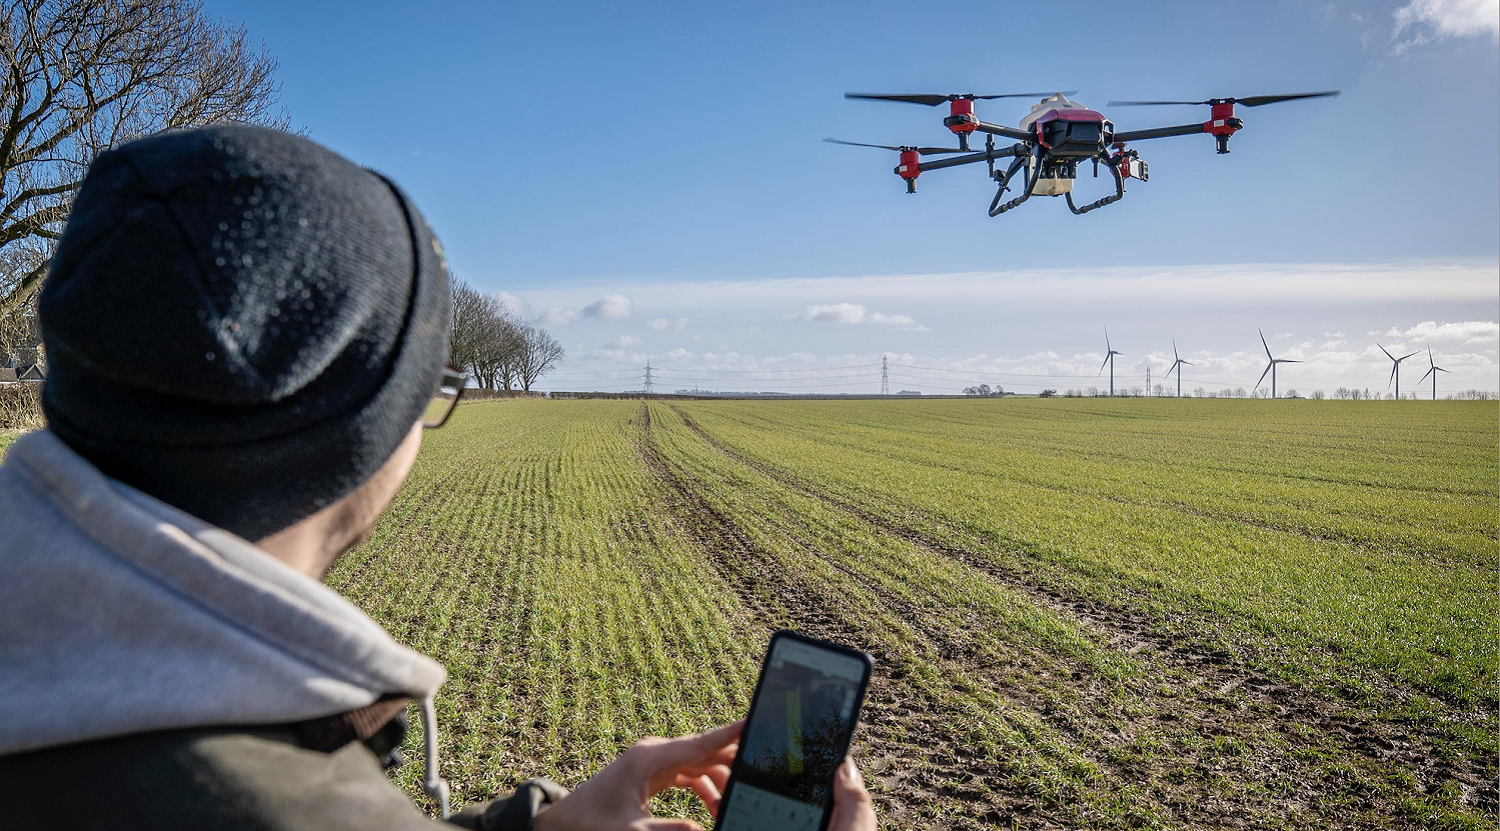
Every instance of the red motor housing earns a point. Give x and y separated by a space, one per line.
1221 120
910 166
961 118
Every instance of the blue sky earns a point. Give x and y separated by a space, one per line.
660 165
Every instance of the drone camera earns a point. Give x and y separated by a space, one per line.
1137 169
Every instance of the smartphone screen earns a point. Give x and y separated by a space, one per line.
801 720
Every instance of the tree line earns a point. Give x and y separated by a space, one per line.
495 346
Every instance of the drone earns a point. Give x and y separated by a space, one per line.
1054 139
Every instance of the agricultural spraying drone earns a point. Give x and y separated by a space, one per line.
1053 139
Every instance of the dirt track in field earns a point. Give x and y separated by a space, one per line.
1198 700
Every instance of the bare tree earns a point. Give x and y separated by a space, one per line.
541 354
84 75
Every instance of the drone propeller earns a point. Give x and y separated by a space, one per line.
925 151
1252 101
934 100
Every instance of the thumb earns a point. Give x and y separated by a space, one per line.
852 808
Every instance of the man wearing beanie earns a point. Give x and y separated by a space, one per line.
246 333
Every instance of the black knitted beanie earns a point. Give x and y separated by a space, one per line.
241 323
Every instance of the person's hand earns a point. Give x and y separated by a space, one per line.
616 798
852 809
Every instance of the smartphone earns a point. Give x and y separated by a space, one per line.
801 720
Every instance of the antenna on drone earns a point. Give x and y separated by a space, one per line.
1396 370
1271 367
648 377
885 377
1109 358
1432 369
1178 363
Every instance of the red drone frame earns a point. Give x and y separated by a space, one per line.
1053 138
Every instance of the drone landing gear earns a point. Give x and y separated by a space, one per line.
1029 177
1108 200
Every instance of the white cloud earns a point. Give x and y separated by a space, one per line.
514 303
660 324
1465 332
558 316
836 313
1424 21
680 354
609 307
624 341
855 313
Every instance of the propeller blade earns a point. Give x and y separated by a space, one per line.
1259 100
932 100
1252 101
1263 375
1063 92
860 144
1151 103
925 151
1266 345
928 100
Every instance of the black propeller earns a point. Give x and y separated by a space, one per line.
925 151
934 100
1252 101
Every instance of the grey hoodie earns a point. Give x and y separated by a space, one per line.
121 615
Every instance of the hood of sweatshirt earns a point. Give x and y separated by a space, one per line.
120 614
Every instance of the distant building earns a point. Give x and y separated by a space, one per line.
909 392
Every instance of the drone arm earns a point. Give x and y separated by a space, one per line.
987 155
1160 132
1007 132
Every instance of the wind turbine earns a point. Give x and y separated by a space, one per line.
1396 369
1109 358
1177 364
1432 369
1271 367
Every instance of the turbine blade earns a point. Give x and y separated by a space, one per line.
1263 375
1174 350
1266 345
1106 362
1440 369
1424 376
1404 357
1392 377
1387 352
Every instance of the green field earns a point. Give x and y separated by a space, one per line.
1086 613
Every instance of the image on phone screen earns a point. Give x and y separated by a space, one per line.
799 728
